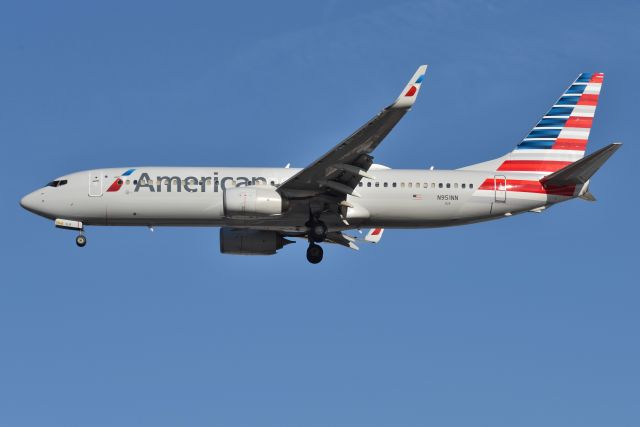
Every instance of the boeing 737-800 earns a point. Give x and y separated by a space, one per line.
260 209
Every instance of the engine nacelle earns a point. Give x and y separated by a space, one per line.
249 202
241 241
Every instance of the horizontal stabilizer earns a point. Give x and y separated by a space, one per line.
581 170
342 239
588 196
374 235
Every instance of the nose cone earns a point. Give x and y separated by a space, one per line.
30 202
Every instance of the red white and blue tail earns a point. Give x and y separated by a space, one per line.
560 137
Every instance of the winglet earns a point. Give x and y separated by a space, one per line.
410 92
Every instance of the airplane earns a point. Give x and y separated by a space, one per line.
259 210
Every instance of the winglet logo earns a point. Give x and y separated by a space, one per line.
412 90
117 184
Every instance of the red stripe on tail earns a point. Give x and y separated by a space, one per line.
532 165
570 144
524 186
588 99
579 122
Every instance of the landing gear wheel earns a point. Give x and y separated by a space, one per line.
81 240
314 253
317 231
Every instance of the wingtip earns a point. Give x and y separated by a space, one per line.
409 94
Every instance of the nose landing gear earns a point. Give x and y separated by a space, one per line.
81 240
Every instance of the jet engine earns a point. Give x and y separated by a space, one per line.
242 241
253 202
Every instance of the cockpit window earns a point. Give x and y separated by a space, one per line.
57 183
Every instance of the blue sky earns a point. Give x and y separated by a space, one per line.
526 321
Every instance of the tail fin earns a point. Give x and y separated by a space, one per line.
560 137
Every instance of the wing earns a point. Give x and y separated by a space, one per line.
338 172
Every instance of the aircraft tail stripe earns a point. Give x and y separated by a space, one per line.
544 133
588 99
552 122
568 100
570 144
533 165
560 111
527 186
579 122
576 89
536 144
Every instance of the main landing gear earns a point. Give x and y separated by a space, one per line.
317 233
314 253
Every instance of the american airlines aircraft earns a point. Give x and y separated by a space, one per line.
259 209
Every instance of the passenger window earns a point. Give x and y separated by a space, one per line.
135 182
470 185
402 185
440 185
463 185
393 184
425 185
386 184
455 185
273 183
369 184
448 185
410 184
377 184
360 184
433 185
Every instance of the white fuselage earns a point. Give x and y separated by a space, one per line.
396 198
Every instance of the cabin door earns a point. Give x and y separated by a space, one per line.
95 183
500 188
